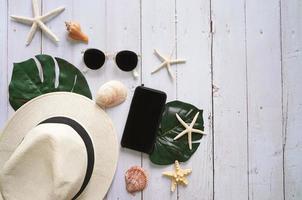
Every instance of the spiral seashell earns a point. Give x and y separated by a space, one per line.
75 32
136 179
111 94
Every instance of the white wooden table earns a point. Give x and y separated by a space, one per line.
244 68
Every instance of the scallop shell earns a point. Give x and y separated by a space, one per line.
136 179
111 94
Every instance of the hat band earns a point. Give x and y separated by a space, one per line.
88 144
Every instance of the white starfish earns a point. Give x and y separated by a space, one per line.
38 21
167 62
189 129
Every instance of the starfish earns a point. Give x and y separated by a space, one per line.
38 21
189 129
178 176
166 62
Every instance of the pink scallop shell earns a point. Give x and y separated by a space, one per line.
136 179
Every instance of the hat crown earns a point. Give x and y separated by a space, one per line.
50 163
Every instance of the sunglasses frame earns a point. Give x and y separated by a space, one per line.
112 56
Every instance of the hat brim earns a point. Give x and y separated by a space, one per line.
85 112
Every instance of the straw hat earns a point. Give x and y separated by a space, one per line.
58 146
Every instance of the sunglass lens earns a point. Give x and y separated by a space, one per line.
94 58
126 60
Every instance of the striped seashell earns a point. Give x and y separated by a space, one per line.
136 179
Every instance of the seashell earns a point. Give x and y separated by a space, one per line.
75 31
111 94
136 179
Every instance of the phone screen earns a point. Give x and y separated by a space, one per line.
143 119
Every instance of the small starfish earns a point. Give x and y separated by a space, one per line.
189 129
167 62
178 176
38 21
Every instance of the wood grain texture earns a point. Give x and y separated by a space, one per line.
243 69
110 29
264 100
230 101
292 97
17 51
194 86
122 32
158 32
3 62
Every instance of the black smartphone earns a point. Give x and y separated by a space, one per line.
143 119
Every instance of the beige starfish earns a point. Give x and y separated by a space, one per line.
178 176
166 62
189 129
38 21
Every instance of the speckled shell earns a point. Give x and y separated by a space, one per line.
111 94
136 179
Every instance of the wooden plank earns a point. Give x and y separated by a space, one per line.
64 48
122 32
264 99
194 86
3 63
17 51
72 50
230 110
292 97
158 32
110 28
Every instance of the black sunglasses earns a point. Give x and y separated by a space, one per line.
125 60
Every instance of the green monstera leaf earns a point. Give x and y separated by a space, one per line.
167 150
27 84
